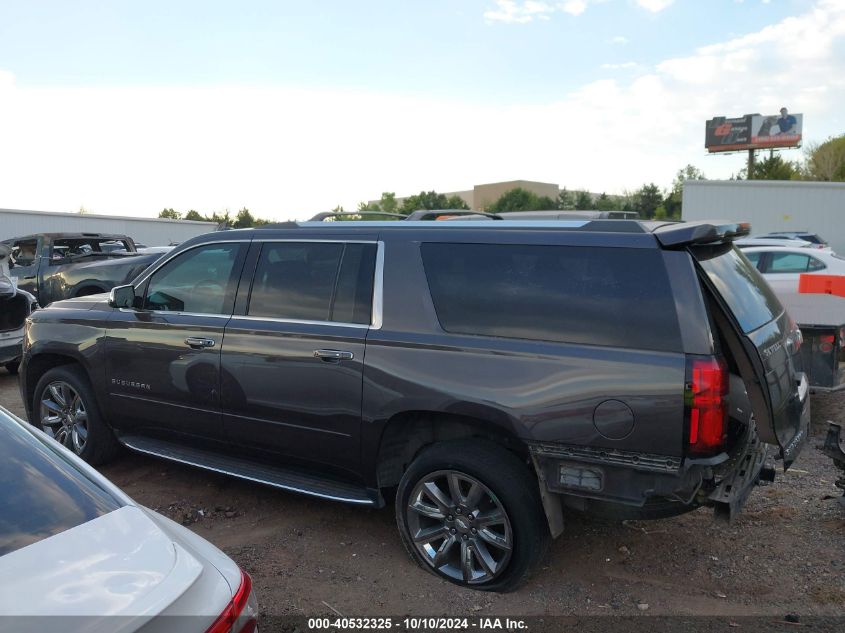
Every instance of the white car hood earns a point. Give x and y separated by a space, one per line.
121 563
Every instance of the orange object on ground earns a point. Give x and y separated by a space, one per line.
822 284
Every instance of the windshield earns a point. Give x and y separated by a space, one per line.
42 494
740 284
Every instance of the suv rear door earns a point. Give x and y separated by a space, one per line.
293 356
762 338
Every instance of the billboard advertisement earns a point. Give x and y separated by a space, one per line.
753 131
777 130
727 135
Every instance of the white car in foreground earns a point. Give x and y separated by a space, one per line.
77 554
783 266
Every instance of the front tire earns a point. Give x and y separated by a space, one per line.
470 512
65 408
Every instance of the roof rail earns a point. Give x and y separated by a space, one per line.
333 215
437 214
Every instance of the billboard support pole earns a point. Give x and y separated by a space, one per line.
750 164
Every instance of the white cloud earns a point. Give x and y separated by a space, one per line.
525 11
291 153
574 7
622 66
518 11
655 6
619 39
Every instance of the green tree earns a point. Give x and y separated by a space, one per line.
646 200
388 202
194 215
170 214
520 199
583 201
431 201
826 161
674 199
606 203
456 202
565 200
243 220
775 168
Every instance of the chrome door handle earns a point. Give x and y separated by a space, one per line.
333 354
199 343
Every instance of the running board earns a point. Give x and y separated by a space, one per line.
284 478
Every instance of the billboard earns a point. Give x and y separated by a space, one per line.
753 131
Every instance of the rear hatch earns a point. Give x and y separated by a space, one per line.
761 336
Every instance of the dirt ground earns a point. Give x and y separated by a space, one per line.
311 557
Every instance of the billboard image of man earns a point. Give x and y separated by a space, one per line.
786 123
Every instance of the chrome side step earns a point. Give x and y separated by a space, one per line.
286 479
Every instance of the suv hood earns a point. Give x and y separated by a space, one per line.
121 563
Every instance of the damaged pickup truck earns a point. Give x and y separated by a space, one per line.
55 266
15 306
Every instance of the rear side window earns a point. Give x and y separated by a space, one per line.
745 291
42 494
616 297
793 263
314 281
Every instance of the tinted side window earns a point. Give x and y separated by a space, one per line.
314 281
754 258
200 280
793 263
615 297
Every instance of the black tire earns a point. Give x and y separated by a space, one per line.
12 367
100 444
511 485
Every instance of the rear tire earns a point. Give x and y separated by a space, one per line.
12 367
65 408
470 512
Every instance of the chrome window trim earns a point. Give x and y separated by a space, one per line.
378 290
378 286
149 273
247 317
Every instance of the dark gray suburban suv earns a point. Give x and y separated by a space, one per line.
486 376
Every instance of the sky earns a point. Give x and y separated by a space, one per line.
291 108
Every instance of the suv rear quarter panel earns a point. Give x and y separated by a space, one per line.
535 390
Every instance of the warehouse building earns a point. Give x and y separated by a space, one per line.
147 231
771 205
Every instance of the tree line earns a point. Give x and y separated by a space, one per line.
823 161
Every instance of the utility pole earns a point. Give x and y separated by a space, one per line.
751 164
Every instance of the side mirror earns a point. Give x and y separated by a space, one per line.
122 297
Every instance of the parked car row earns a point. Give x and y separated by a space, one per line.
484 375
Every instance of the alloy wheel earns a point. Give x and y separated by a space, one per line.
64 416
459 527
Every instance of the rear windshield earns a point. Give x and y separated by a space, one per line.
743 288
41 494
616 297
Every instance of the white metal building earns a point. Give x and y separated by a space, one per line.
771 205
147 231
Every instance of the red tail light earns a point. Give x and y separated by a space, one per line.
229 618
707 404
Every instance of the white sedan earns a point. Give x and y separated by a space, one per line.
782 266
73 545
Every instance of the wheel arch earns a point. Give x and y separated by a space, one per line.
405 434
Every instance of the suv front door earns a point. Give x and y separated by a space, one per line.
23 263
163 357
292 359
